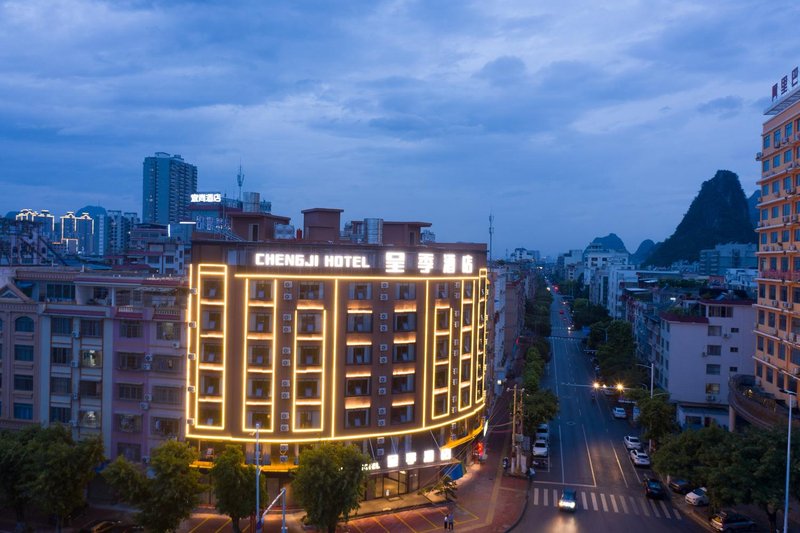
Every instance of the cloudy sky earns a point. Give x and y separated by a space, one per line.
566 120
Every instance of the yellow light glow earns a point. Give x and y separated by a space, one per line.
359 311
358 342
405 307
403 371
401 403
358 375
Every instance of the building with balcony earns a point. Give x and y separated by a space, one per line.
168 183
320 338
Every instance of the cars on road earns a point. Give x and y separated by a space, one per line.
639 458
632 442
680 486
697 497
729 521
543 432
619 412
653 488
540 448
99 526
568 500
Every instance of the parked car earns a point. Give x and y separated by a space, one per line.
540 448
543 432
653 488
640 458
99 526
619 412
729 521
697 497
680 486
632 442
568 500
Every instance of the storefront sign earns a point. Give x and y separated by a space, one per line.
393 262
206 198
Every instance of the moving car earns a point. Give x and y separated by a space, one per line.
680 486
568 500
653 488
640 458
619 412
729 521
632 442
99 526
540 448
697 497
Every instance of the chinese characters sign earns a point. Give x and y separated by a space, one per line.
206 198
785 84
394 262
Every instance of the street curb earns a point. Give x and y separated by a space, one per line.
524 508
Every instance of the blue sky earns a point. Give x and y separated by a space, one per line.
567 120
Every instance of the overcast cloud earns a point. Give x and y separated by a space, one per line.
566 120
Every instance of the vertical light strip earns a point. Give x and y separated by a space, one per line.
198 326
322 374
450 361
461 350
274 352
334 348
295 326
224 343
245 358
188 319
426 362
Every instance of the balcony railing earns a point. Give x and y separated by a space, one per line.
755 405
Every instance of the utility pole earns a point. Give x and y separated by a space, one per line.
516 417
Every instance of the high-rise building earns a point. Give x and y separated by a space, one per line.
168 183
119 231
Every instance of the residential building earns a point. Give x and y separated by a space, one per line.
722 257
168 183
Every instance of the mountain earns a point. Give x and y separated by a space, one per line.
93 210
641 253
752 206
718 214
611 242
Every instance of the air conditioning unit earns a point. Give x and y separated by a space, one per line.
146 459
286 362
75 396
287 316
384 297
287 329
455 323
384 284
286 350
456 295
192 324
286 396
287 296
703 354
383 328
287 284
148 397
147 366
711 397
191 388
144 406
379 451
74 363
382 379
456 313
381 411
383 360
284 427
73 423
285 415
284 459
796 371
76 334
191 356
382 391
286 383
381 422
148 358
193 290
176 344
384 316
384 347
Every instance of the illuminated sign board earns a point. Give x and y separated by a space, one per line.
393 262
206 198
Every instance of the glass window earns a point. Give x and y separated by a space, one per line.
402 384
776 162
212 352
60 414
402 414
23 382
261 290
360 291
310 290
404 353
714 349
405 322
23 352
357 386
359 322
60 292
260 322
260 355
168 331
310 355
310 322
129 360
359 355
91 328
406 291
212 288
130 329
787 156
61 325
440 377
90 389
168 395
211 321
23 411
91 358
308 418
23 324
60 385
260 387
60 355
712 369
127 423
308 387
356 418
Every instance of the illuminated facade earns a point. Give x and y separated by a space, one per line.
383 346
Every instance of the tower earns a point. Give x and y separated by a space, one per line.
168 183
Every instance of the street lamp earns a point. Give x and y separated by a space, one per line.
792 399
652 367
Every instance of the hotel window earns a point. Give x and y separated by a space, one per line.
23 382
466 342
440 404
440 377
404 353
465 396
359 322
23 352
357 386
260 322
310 290
443 319
91 358
130 329
210 385
60 355
212 352
403 384
441 290
91 328
776 137
310 322
442 346
712 370
168 331
60 414
356 418
467 289
210 414
467 315
360 291
405 322
466 370
90 389
212 288
165 427
308 418
261 290
310 355
402 414
259 388
359 355
168 395
60 385
129 423
61 325
60 292
23 324
260 355
406 291
259 416
788 130
308 388
23 411
212 321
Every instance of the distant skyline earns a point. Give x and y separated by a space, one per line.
565 120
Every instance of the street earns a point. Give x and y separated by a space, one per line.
587 454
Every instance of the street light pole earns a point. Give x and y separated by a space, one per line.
652 367
792 399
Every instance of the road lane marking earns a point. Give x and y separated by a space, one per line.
200 524
655 509
644 508
555 496
624 505
585 503
224 526
618 463
603 501
545 492
594 502
399 517
633 506
677 514
561 458
589 455
536 496
426 519
613 503
664 508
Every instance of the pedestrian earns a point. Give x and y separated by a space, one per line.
446 519
450 521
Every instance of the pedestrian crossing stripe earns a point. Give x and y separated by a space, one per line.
609 503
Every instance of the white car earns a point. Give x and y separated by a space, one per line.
619 412
540 448
697 497
632 442
543 432
640 458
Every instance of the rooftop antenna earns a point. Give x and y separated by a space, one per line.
491 233
240 180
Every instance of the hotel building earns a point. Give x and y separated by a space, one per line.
379 344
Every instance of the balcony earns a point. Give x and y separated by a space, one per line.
756 406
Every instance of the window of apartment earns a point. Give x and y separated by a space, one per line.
468 289
787 184
210 385
780 382
90 389
360 291
759 370
260 322
405 322
776 185
260 416
465 396
714 349
166 363
260 355
776 137
359 322
403 384
61 325
60 355
443 319
130 329
788 130
466 370
766 141
23 352
60 292
773 238
310 355
784 292
211 321
129 423
769 374
60 385
782 351
787 156
440 377
308 418
129 360
210 414
712 370
359 355
308 388
261 290
782 322
734 349
440 404
91 358
404 353
466 316
760 343
91 328
357 386
356 418
442 347
440 290
770 347
23 411
260 388
23 324
212 352
212 288
165 427
310 322
60 414
402 414
775 211
310 290
168 331
406 291
23 382
89 418
168 395
776 162
771 319
466 341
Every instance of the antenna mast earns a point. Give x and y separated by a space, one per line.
491 234
240 180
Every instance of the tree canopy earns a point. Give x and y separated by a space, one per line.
235 485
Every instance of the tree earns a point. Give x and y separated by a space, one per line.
329 482
234 485
16 471
540 406
693 454
167 493
64 469
657 417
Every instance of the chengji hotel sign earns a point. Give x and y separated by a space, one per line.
392 262
784 85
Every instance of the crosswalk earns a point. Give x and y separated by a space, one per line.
608 503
